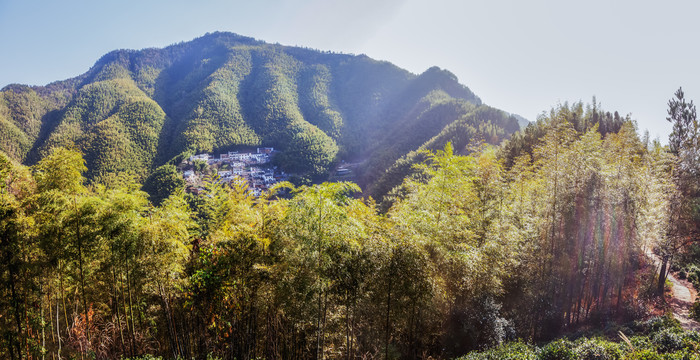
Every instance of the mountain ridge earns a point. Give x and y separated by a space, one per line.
135 110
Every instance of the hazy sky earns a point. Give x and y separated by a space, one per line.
521 56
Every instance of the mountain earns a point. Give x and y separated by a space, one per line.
138 110
523 122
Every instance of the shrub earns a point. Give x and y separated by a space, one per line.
682 274
597 349
641 343
558 350
695 310
645 354
681 355
476 327
668 340
692 277
509 351
657 323
691 341
693 269
634 308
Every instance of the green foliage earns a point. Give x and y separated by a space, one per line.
695 310
473 125
200 166
510 351
555 172
114 124
24 113
163 182
683 116
684 197
597 349
668 340
525 240
658 323
581 117
645 354
425 120
62 170
310 151
560 349
664 344
448 269
316 103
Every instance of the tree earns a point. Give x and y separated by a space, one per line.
453 215
61 174
164 236
684 197
683 116
19 271
163 182
319 217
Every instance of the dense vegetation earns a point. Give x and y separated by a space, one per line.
541 235
681 247
135 111
659 338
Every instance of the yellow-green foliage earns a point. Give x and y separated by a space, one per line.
23 112
472 126
316 102
469 256
117 127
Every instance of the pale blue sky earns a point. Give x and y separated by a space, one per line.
520 56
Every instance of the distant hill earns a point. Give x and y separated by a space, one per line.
523 122
137 110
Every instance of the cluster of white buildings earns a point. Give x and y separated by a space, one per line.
262 156
241 166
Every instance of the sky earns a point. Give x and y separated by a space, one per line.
524 57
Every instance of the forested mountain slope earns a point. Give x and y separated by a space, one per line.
136 110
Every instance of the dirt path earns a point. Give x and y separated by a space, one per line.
683 297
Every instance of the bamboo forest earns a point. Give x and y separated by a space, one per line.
555 244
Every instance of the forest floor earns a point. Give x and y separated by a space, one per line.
683 296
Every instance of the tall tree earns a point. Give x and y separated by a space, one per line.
684 199
683 116
19 278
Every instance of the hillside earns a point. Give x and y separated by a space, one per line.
136 110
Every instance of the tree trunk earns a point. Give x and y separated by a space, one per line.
171 327
18 318
662 276
43 326
131 307
116 308
388 312
347 325
80 267
126 314
319 332
58 331
48 302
